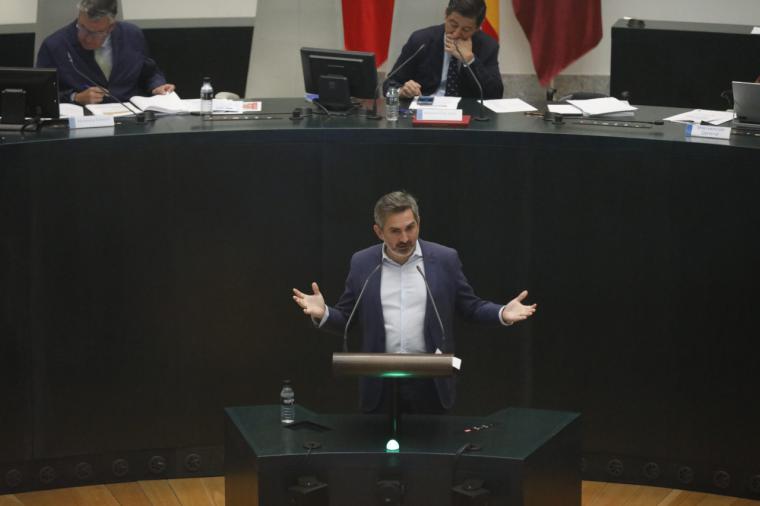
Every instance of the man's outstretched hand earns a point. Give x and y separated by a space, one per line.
516 311
312 305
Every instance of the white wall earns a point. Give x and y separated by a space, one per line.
188 9
282 28
16 12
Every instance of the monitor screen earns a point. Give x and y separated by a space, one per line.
40 85
357 68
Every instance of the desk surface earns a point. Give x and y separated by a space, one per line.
513 433
362 129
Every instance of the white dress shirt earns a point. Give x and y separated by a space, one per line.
104 57
404 298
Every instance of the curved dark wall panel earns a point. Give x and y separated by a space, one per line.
681 64
146 285
186 55
17 50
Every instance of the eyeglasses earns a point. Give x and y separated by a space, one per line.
89 33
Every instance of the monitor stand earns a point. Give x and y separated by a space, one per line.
334 94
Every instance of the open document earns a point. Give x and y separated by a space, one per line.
600 106
172 104
702 116
501 105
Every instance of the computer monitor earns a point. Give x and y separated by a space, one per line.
337 75
28 93
746 103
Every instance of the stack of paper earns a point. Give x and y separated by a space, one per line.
169 103
66 110
508 105
112 109
599 106
700 116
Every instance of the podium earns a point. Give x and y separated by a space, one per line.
515 457
392 367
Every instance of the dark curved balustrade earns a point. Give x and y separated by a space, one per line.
145 281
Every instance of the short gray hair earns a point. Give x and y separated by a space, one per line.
96 9
395 202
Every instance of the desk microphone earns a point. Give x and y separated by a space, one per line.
92 82
356 305
480 117
435 308
392 73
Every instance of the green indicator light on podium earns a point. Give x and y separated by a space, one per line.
392 446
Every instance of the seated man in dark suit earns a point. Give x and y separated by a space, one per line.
97 56
396 313
438 68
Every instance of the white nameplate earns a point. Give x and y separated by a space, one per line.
714 132
91 121
439 114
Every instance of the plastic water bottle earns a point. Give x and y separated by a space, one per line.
391 104
287 403
207 96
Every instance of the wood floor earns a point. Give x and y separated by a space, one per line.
210 492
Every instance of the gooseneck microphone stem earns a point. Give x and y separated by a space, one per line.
356 305
392 73
98 86
435 308
481 116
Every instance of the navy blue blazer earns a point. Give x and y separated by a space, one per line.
134 73
452 293
426 67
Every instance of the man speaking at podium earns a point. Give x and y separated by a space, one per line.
98 58
395 312
433 58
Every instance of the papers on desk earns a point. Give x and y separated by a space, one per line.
172 104
224 106
112 109
702 116
502 105
169 103
70 110
564 109
438 103
755 30
602 106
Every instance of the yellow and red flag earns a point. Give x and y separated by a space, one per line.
491 23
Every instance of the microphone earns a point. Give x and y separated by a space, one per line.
480 117
356 305
392 73
435 308
92 82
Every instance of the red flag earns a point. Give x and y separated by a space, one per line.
559 32
367 26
